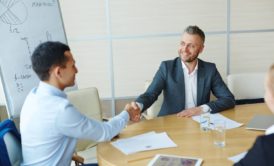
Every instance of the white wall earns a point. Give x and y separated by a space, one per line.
119 44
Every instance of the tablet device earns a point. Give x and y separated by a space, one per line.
260 122
174 160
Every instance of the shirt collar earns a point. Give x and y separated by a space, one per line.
270 130
47 89
186 69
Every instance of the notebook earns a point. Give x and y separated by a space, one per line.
260 122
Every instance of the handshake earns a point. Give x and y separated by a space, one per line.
134 111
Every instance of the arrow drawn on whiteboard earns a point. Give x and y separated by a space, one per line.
27 42
13 12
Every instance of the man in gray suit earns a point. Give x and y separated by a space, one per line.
187 81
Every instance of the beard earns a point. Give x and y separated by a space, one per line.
188 59
192 59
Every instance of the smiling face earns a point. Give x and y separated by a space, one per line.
191 46
68 72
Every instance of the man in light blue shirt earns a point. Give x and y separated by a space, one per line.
50 125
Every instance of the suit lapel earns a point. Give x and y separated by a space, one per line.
200 82
180 80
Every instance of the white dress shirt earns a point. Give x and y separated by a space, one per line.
191 88
269 130
50 127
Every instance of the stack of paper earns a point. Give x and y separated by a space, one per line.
229 124
144 142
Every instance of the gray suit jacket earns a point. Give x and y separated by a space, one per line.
170 79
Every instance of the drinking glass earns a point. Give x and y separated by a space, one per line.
205 121
219 133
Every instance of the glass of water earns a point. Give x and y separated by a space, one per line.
205 121
219 133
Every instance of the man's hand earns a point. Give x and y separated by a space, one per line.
79 160
190 112
133 111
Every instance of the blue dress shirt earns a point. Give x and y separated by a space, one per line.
50 126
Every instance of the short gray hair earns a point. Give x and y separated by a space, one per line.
195 30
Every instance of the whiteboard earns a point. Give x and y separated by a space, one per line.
23 25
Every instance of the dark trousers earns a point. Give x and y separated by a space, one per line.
93 164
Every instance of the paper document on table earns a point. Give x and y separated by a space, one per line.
229 124
237 157
144 142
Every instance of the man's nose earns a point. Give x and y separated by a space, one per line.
185 48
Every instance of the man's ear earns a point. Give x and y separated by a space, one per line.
202 48
56 72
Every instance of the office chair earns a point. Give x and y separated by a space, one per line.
154 109
247 87
88 103
10 144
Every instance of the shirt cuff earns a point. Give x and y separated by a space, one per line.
125 115
140 105
205 108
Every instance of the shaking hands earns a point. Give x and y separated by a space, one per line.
133 111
